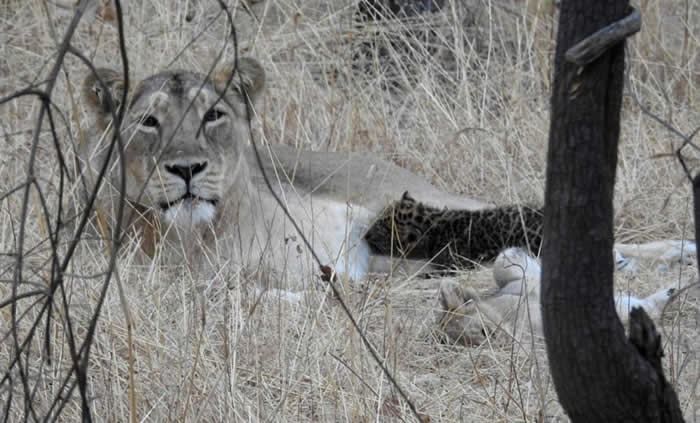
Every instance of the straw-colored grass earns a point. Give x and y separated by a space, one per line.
470 113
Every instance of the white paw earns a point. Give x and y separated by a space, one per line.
653 304
680 253
515 264
458 318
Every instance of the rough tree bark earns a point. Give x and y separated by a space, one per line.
599 375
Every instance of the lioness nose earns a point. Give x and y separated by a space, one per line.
186 172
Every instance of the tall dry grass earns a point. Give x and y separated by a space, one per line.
468 109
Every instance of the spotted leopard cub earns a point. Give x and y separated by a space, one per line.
453 238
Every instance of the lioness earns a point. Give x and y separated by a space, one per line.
196 193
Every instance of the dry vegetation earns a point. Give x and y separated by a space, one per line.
470 113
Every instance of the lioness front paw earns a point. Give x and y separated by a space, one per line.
452 295
453 322
680 253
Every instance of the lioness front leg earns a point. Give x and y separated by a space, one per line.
664 254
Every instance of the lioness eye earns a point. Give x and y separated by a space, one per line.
150 122
212 115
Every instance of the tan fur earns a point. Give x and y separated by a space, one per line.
333 196
196 195
514 308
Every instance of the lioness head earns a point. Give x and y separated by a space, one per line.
185 138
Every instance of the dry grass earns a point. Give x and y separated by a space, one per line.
470 115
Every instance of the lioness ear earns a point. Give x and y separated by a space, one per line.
250 78
96 99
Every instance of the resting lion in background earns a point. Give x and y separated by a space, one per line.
469 318
196 194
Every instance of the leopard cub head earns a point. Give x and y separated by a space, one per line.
401 225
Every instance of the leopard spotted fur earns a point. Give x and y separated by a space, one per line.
453 238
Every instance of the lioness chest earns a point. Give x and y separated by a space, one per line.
333 232
262 239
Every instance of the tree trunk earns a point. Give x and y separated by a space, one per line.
599 375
